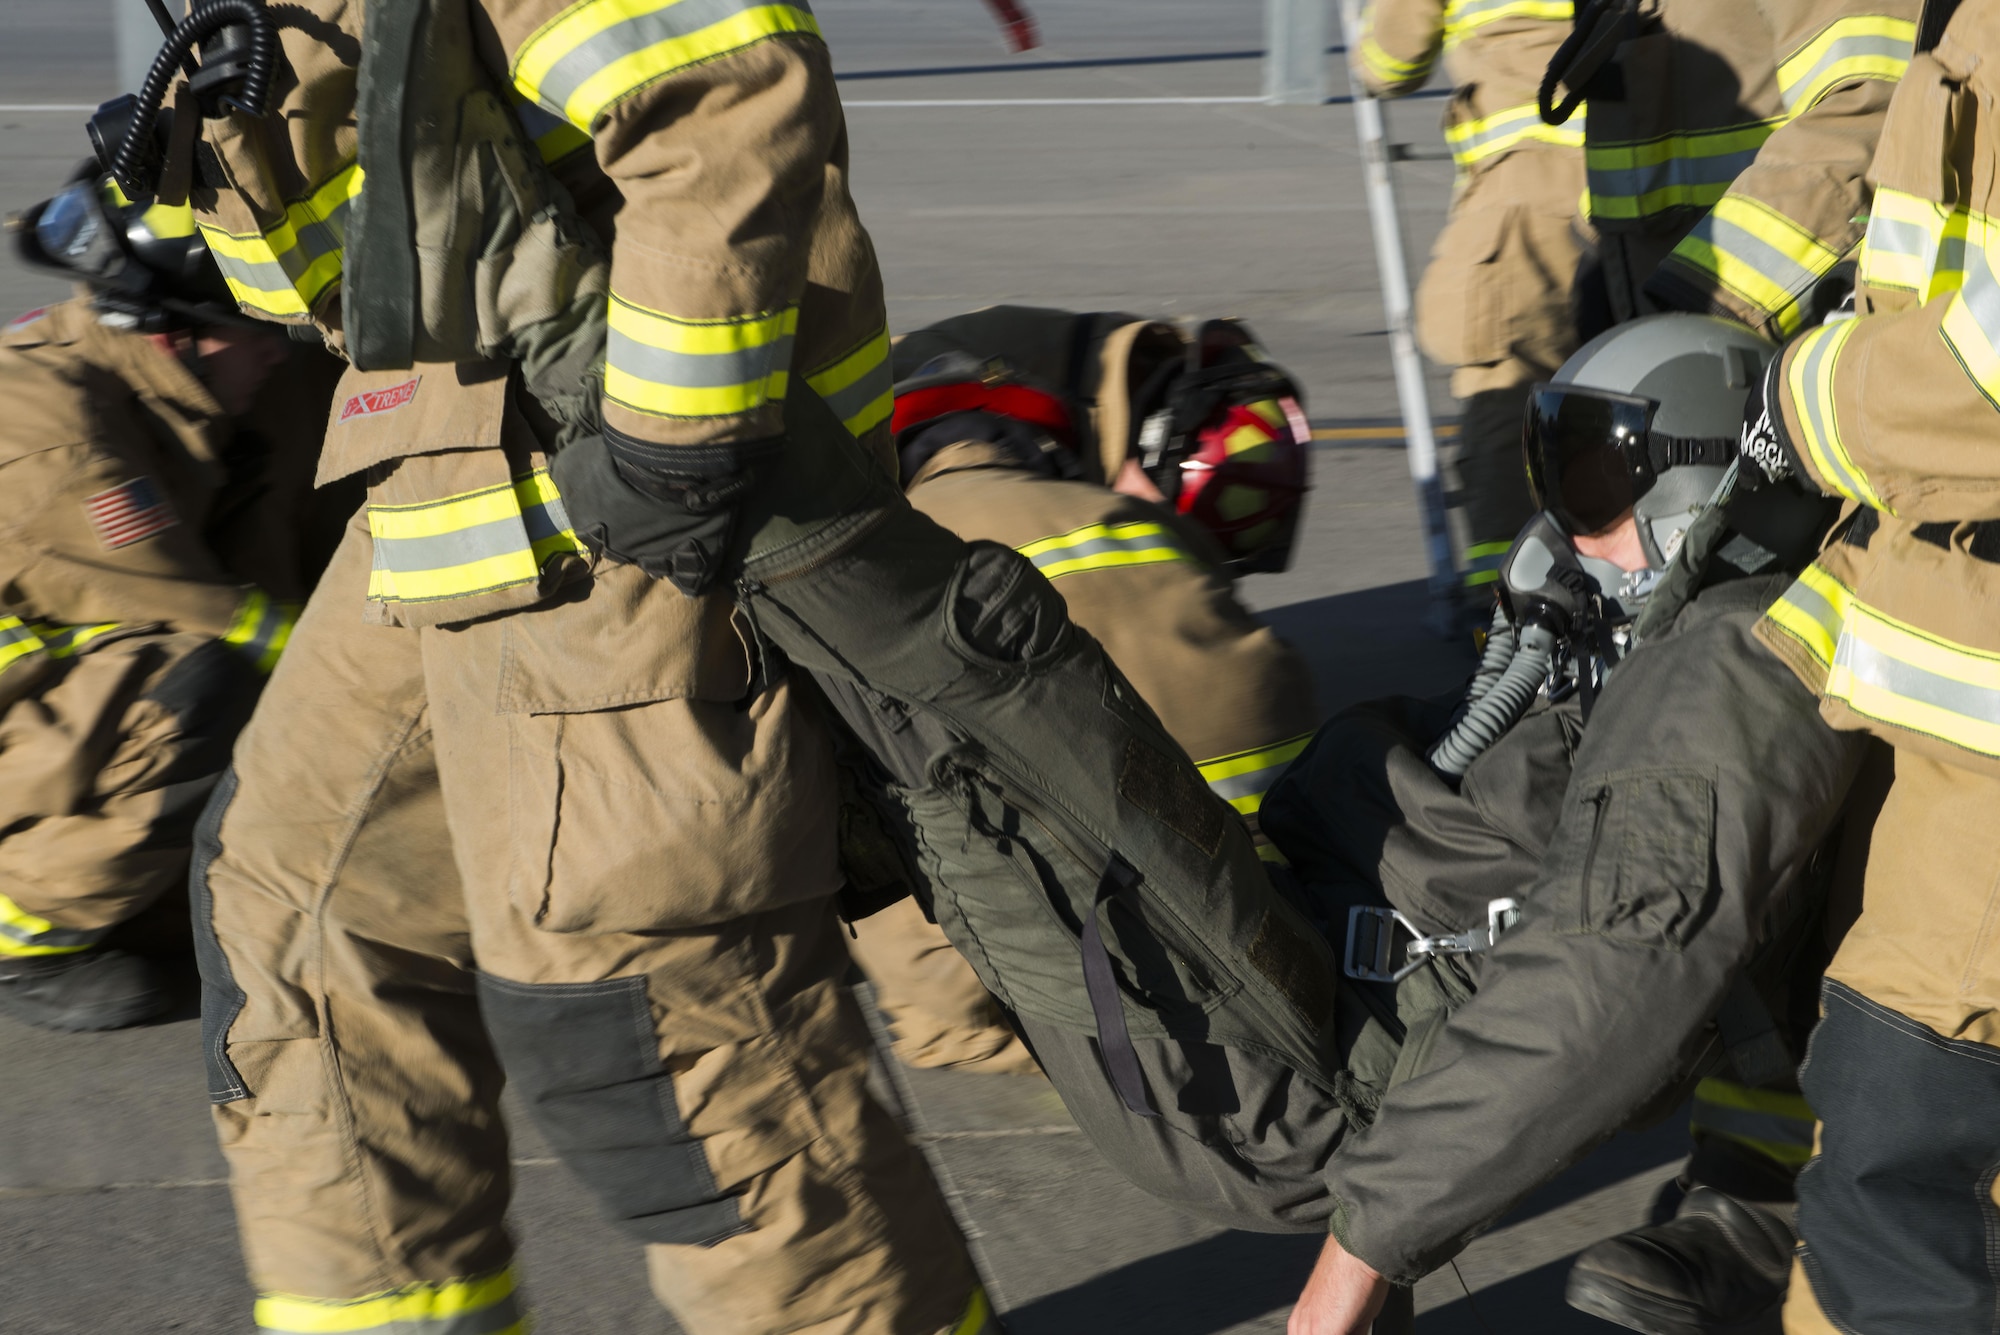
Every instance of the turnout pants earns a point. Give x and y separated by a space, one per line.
105 762
446 860
1494 304
942 1014
1899 1210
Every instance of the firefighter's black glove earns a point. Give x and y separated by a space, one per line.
1765 442
670 510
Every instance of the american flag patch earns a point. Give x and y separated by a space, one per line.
124 515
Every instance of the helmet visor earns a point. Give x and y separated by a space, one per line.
1587 455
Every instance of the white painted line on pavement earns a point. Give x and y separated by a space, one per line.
45 106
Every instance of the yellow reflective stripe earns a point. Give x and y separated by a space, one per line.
261 628
286 270
1104 547
1913 244
475 542
597 52
1474 140
483 1306
1385 68
1464 17
1635 180
1779 1126
23 934
859 387
555 138
977 1313
658 364
1971 325
69 641
1759 254
1861 46
1242 779
1483 561
1812 612
1890 671
1809 378
17 641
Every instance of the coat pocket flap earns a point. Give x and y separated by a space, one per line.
427 409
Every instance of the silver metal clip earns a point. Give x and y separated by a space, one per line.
1372 934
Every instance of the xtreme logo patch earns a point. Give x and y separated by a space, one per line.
374 401
128 513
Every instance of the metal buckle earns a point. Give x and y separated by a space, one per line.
1371 941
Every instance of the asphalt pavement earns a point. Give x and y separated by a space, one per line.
1100 172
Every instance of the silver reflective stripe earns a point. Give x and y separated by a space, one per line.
1873 667
850 401
1809 600
1894 236
1254 784
311 241
1514 125
1981 295
1859 46
698 370
1081 551
1810 403
1749 248
461 546
547 519
636 33
1673 173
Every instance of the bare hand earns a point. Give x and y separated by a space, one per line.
1341 1297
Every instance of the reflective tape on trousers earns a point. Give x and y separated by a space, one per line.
1777 1125
1629 181
486 1305
261 628
23 934
1892 672
287 269
1751 249
472 543
1242 779
598 52
664 366
859 387
1104 547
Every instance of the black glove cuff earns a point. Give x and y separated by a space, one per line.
689 463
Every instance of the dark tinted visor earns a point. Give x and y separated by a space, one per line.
1587 455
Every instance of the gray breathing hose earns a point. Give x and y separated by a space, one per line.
1496 704
1500 645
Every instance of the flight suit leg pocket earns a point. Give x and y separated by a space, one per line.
1637 857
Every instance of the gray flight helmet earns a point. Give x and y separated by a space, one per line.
1700 370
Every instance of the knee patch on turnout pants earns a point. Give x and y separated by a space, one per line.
586 1061
1897 1212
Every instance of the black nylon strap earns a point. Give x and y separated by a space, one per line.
1114 1040
1931 23
1676 451
379 289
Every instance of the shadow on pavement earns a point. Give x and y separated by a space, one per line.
1199 1289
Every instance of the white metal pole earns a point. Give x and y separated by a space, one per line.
1295 33
1411 394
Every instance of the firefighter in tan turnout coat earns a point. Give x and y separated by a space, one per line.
520 797
989 455
1494 303
157 548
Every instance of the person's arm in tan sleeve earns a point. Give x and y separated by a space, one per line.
716 120
1800 206
1399 43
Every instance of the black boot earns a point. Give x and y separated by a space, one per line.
1720 1264
92 989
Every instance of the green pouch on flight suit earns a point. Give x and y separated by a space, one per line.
1070 849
